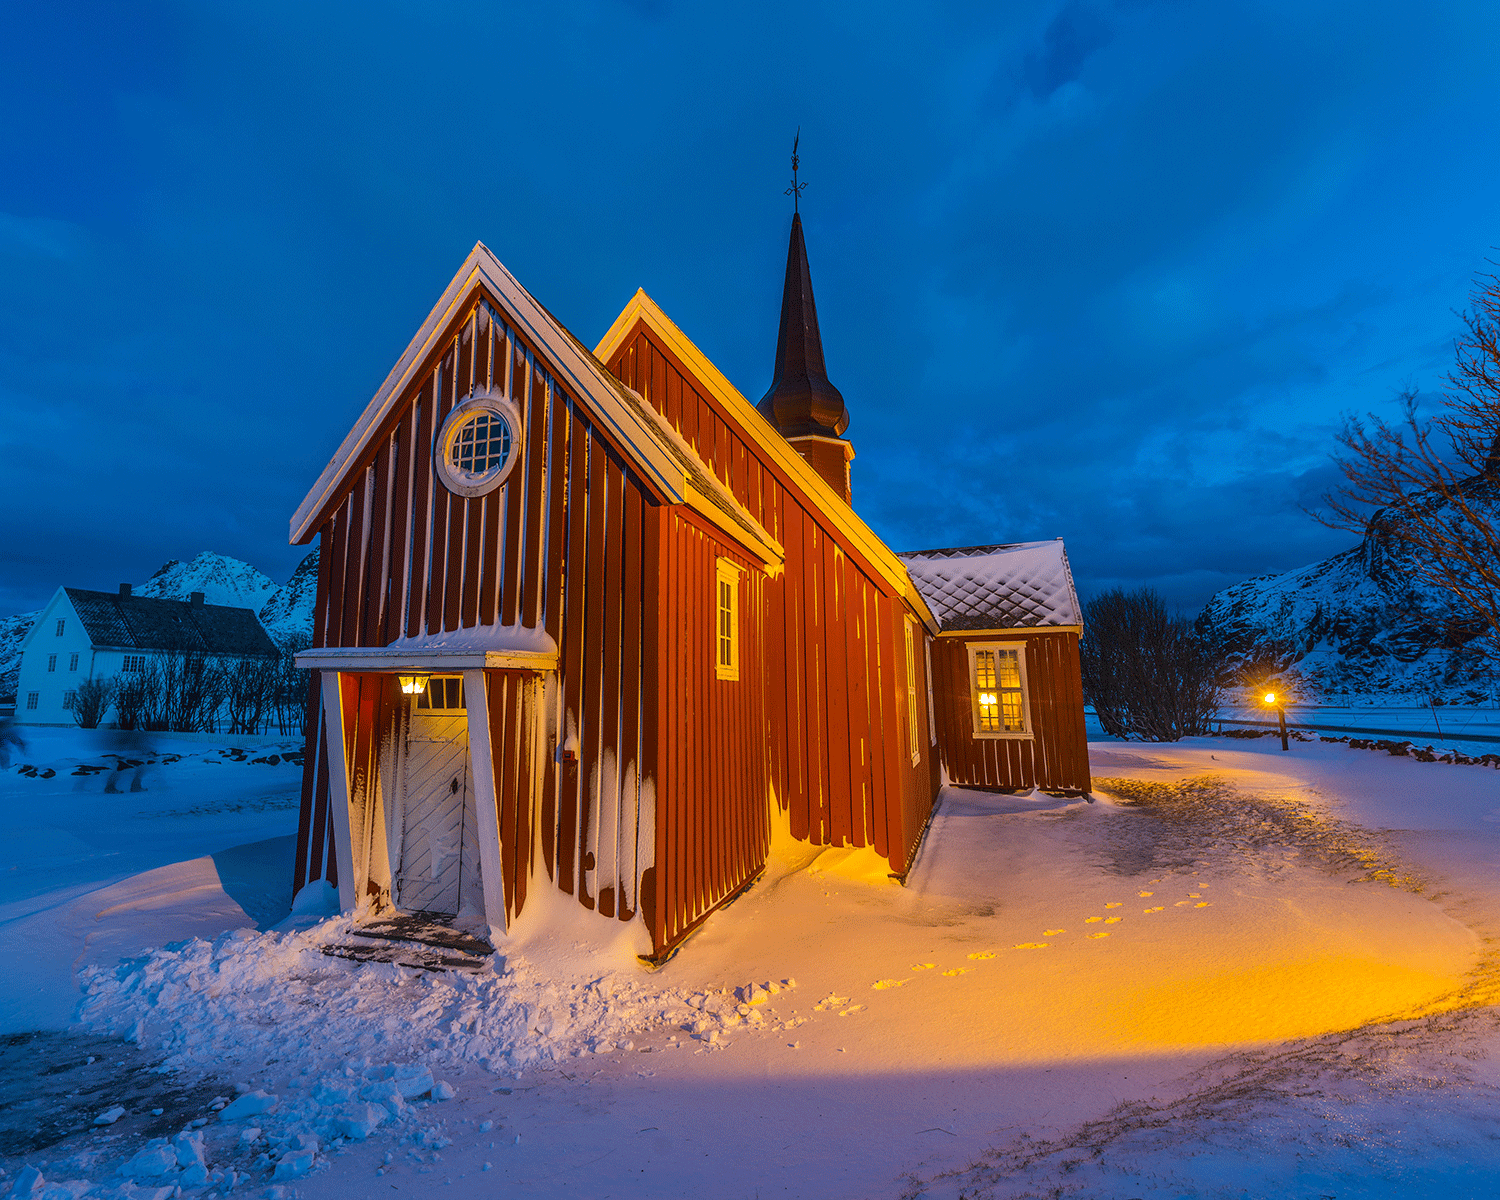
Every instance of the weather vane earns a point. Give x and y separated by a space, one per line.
795 190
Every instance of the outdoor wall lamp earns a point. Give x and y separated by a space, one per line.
413 685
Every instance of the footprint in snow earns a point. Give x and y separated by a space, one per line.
1113 920
956 971
923 966
1052 932
1202 904
982 954
853 1008
1101 934
1194 896
1031 945
1183 904
1092 920
1115 904
881 985
1154 910
1143 895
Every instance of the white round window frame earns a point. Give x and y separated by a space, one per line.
458 482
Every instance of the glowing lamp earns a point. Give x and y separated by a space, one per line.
987 697
413 685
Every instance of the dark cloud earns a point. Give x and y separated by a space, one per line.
1109 272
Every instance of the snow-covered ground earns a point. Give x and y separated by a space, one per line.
1237 973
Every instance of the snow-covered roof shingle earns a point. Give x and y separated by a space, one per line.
146 623
1017 586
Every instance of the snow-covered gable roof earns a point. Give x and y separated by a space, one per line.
1023 585
146 623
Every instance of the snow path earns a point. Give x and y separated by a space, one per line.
972 1032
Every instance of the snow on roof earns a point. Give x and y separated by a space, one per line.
146 623
1016 586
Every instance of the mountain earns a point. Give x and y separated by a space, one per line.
288 613
1361 624
221 579
285 611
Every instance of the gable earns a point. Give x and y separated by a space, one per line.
745 452
482 279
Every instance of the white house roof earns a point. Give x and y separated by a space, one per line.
1018 586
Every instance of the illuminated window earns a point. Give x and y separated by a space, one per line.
445 693
727 634
913 741
997 679
478 445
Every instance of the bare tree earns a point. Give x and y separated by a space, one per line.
1434 485
291 688
1147 673
250 692
135 699
91 700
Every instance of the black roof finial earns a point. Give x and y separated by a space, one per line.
795 191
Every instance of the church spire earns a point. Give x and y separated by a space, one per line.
801 400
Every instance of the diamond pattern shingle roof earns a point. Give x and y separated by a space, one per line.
1017 586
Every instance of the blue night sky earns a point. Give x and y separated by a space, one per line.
1104 271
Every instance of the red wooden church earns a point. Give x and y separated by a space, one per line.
592 622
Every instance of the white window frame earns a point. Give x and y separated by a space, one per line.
423 701
32 700
62 623
70 699
1027 734
727 584
464 483
51 663
913 738
73 662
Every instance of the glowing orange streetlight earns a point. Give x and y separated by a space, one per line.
1272 702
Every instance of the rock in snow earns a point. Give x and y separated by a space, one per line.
251 1104
110 1115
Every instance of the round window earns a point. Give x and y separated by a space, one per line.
478 445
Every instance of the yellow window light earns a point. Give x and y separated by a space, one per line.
413 685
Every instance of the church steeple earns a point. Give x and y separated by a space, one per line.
802 403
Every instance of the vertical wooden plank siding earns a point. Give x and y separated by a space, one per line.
1056 757
664 809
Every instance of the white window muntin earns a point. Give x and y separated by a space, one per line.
727 620
1002 703
478 444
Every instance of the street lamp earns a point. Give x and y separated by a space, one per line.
1272 702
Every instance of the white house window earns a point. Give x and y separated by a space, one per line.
727 635
478 445
32 698
997 680
51 662
445 693
60 624
72 662
913 740
69 699
134 662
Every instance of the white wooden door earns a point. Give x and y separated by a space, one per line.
439 843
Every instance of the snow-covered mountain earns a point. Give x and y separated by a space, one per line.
285 611
221 579
1360 624
288 613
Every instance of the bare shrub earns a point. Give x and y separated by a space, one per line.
1148 674
91 700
